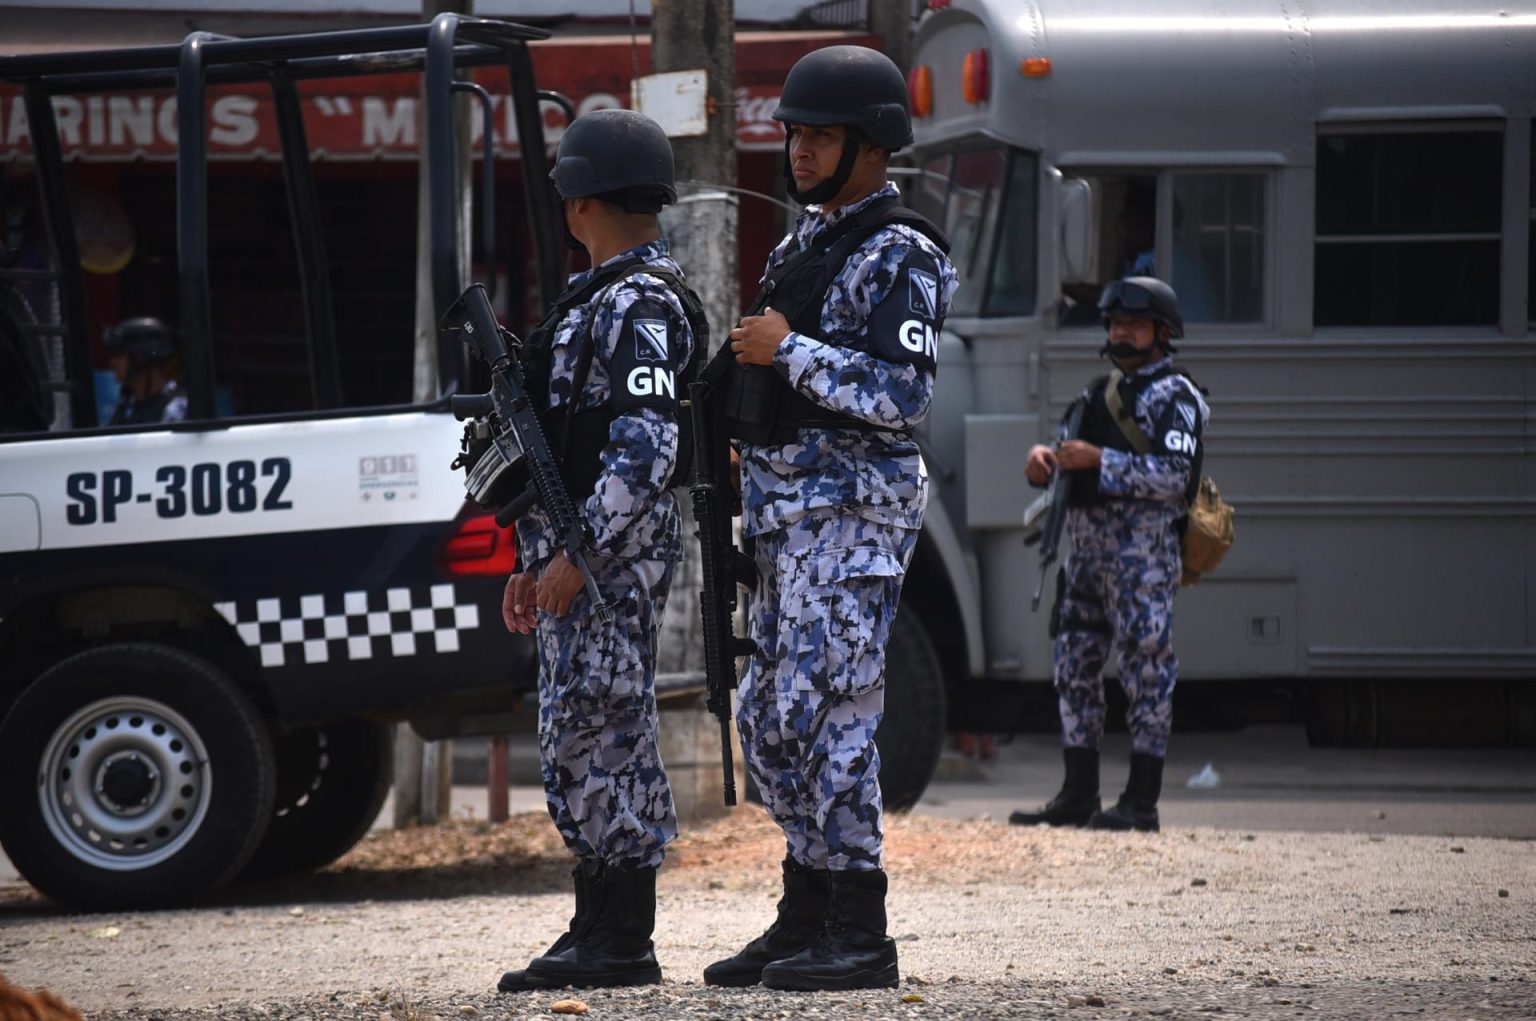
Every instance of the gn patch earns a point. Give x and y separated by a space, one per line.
1180 433
923 294
904 326
652 343
650 339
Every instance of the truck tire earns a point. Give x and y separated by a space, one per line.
911 734
332 780
139 775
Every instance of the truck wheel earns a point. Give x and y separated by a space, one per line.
331 782
140 775
911 734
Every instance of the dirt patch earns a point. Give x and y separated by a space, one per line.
990 921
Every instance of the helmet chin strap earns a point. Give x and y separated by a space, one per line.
832 185
1123 349
1126 350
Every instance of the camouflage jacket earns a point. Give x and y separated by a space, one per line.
874 359
1145 492
642 341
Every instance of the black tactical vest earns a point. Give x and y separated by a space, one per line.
577 437
760 405
1099 428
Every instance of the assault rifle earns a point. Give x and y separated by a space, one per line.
1053 502
722 563
504 442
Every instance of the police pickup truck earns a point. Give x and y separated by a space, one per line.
207 625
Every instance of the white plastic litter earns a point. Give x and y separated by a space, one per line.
1206 779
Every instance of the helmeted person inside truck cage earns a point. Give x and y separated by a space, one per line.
605 362
835 365
1117 586
143 354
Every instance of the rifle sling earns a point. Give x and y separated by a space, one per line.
1123 420
1139 440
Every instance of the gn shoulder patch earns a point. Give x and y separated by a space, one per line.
651 342
1179 429
904 326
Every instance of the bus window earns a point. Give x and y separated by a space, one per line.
1012 291
1218 247
1216 261
1408 227
970 218
968 193
927 195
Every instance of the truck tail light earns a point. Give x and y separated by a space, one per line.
481 547
920 89
973 76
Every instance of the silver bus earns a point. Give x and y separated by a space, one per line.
1342 194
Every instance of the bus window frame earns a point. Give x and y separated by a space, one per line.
1508 224
1165 239
954 150
1162 175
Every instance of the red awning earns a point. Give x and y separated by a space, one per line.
376 116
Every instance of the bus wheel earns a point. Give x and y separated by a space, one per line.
140 775
332 780
911 735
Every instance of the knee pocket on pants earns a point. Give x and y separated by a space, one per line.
839 612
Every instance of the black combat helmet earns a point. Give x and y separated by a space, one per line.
619 155
856 87
144 339
1142 298
852 85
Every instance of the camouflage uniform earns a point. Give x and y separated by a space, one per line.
836 516
1123 571
603 777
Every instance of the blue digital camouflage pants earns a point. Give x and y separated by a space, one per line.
1118 594
603 777
813 695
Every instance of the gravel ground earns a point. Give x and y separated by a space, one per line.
992 921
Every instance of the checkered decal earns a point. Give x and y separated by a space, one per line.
351 626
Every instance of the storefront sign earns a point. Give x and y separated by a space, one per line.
377 116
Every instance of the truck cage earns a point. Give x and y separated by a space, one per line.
449 43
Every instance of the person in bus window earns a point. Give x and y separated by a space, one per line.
839 355
623 325
1123 521
1137 226
143 356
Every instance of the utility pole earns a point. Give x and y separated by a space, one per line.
700 35
424 769
891 20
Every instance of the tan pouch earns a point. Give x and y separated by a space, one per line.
1208 532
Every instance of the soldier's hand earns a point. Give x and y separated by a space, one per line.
1041 464
517 606
1077 454
558 585
756 338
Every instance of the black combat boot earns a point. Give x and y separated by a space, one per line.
1078 798
852 950
1137 807
802 909
584 877
615 949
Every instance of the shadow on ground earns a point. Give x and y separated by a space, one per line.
456 859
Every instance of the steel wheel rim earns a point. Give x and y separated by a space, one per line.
131 744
